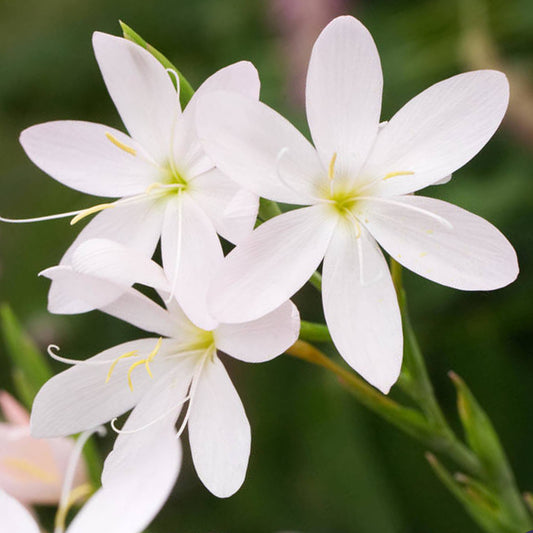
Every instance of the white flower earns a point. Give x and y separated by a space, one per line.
169 188
358 184
126 503
157 376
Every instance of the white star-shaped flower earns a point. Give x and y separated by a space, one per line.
357 183
167 186
157 376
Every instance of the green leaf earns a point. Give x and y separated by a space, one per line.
186 90
30 369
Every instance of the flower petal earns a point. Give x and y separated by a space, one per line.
438 131
270 265
14 517
129 500
191 254
361 308
256 147
232 210
82 397
189 154
261 339
343 94
82 293
142 91
81 156
219 432
443 243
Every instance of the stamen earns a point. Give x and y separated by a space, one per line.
79 493
178 254
24 467
438 218
331 168
146 362
400 173
40 219
90 211
121 145
133 353
355 221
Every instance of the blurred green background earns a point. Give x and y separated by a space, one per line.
320 462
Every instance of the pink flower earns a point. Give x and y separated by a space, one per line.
32 470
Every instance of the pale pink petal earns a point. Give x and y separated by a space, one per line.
270 265
437 132
360 306
232 210
261 339
343 95
142 91
442 242
219 432
12 410
260 150
83 397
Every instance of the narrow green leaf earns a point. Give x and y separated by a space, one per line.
29 367
186 90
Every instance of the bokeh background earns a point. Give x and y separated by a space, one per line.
320 462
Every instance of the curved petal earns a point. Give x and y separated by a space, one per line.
142 91
232 210
81 156
82 293
14 517
261 339
443 243
119 264
256 147
241 77
219 432
360 307
438 131
343 95
131 499
82 397
191 254
270 265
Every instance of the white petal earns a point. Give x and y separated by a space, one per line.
270 265
189 154
130 499
191 254
118 263
137 225
443 243
142 91
219 432
361 308
79 398
14 517
156 411
438 131
232 210
261 339
343 94
256 147
81 293
81 156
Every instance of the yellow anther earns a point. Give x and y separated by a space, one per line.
23 468
400 173
76 495
331 169
146 362
121 145
152 186
90 211
115 363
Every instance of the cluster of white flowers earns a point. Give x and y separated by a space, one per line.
186 177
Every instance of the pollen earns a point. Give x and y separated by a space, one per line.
400 173
121 145
89 211
146 362
116 361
